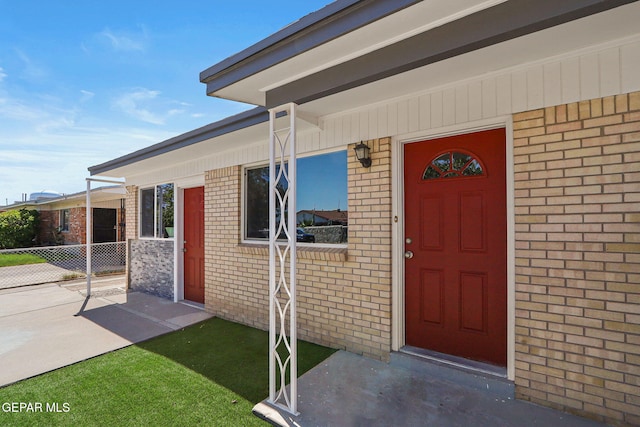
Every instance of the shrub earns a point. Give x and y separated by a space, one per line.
18 229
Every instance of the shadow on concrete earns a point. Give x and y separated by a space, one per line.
136 317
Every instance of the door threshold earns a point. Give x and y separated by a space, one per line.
457 362
192 304
476 375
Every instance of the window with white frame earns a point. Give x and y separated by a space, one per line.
322 213
156 211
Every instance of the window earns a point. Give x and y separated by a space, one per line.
452 165
64 220
156 211
322 215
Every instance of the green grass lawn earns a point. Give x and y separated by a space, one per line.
211 373
8 260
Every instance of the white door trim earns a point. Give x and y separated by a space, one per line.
397 172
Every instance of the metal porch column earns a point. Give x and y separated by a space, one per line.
282 258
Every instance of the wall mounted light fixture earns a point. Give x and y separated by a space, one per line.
363 154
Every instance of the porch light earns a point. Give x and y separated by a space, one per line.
363 154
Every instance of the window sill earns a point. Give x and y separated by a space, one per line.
304 252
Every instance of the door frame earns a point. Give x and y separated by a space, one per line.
178 258
398 233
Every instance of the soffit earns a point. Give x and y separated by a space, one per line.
400 25
612 26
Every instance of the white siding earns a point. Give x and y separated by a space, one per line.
598 73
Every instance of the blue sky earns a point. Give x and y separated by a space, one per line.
83 82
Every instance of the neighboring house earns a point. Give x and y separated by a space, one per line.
63 217
498 221
314 217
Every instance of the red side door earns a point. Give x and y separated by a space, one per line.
456 243
194 244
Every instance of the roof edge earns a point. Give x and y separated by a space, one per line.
314 29
227 125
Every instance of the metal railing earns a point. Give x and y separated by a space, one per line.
32 266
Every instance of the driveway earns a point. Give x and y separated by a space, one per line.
45 327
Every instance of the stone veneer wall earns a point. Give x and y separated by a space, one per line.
344 297
577 184
150 268
150 262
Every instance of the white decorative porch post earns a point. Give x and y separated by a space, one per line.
282 258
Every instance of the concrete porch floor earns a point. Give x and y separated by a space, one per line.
46 327
350 390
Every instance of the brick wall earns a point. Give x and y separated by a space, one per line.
577 184
50 223
344 297
131 212
77 233
131 221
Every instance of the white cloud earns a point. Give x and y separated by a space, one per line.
147 105
86 95
3 75
125 41
17 110
31 71
58 158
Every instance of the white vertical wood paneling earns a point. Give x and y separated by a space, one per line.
570 80
383 120
606 72
425 111
373 121
552 81
414 114
519 91
316 141
609 62
393 118
355 127
346 130
448 107
589 76
337 130
535 87
503 94
475 100
329 134
437 114
462 104
489 98
364 125
629 67
403 116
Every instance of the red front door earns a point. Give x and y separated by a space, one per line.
456 243
194 244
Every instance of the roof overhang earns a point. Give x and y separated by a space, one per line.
330 23
356 53
356 43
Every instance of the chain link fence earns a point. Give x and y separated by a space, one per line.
32 266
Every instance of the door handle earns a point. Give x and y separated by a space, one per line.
408 254
184 249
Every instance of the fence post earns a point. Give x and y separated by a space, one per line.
89 237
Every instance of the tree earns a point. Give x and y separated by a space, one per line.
19 229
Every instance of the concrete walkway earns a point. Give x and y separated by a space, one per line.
45 327
32 274
349 390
